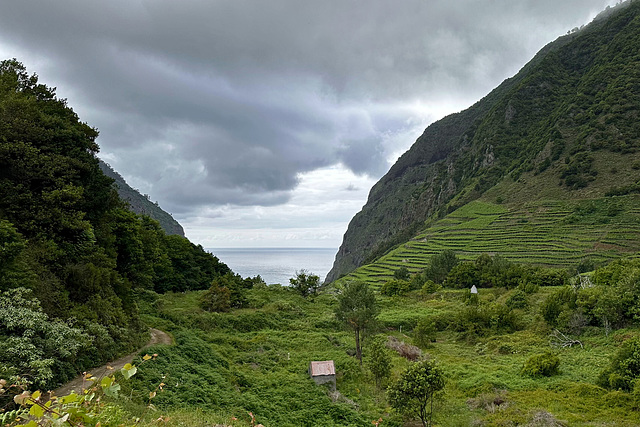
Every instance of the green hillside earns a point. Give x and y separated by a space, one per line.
140 204
72 256
565 128
546 233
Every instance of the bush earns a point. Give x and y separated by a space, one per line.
517 300
541 365
395 287
430 287
425 332
624 369
401 274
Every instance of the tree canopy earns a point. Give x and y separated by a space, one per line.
414 391
67 237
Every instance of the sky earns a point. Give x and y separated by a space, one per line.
265 123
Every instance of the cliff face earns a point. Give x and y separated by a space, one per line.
577 98
141 204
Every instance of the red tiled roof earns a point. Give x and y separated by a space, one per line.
322 368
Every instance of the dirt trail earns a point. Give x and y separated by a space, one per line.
157 337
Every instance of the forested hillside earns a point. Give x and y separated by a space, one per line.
72 256
141 204
564 128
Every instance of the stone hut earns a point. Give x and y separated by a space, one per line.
323 372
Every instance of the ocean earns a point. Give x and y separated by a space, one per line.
276 265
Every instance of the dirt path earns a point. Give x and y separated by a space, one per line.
157 337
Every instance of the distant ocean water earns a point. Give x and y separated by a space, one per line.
276 265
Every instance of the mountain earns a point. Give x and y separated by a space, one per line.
141 204
564 128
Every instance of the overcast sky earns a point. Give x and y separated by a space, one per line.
265 123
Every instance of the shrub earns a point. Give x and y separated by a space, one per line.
306 283
541 365
401 274
430 287
425 332
379 360
395 287
624 369
440 265
517 300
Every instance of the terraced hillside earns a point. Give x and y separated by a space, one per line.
548 233
563 128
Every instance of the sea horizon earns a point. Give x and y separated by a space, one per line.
277 264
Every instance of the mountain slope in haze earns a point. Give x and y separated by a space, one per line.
569 114
141 204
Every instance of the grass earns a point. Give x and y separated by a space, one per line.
544 233
255 359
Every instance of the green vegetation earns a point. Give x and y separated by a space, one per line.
503 362
416 389
358 310
306 283
71 254
551 338
550 234
562 132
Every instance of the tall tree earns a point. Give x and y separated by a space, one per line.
357 308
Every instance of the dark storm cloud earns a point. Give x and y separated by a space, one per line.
228 102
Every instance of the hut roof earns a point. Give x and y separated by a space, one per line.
322 368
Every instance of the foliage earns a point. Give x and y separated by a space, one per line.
395 287
517 300
86 409
415 390
217 298
379 359
425 332
66 236
401 273
485 318
37 348
440 265
305 283
357 308
624 371
541 365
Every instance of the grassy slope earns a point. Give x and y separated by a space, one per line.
571 113
549 233
225 365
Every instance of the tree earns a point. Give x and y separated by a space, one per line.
306 283
218 297
358 309
379 360
415 390
440 265
401 274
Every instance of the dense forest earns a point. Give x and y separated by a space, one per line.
72 256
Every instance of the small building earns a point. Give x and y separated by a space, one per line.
323 373
474 290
